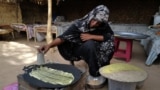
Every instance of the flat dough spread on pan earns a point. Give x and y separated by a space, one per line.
52 76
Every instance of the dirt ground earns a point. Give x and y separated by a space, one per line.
15 54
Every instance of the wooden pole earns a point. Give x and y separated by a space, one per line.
49 22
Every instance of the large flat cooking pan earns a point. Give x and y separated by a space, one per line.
130 35
40 84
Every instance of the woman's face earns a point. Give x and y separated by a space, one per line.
94 23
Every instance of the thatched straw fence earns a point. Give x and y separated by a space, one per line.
10 13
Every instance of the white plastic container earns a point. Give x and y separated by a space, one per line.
40 36
156 19
40 58
116 85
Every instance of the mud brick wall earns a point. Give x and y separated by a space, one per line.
33 13
123 11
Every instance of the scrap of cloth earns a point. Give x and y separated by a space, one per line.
104 49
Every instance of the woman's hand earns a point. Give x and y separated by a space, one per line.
43 49
86 36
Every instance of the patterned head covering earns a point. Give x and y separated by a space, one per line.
100 13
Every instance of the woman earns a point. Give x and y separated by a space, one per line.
89 38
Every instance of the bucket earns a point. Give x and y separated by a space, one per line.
40 36
117 85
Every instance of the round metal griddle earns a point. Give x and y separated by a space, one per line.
123 72
40 84
129 35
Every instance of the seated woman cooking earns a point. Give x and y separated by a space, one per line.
89 38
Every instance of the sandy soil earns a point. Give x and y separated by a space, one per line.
16 54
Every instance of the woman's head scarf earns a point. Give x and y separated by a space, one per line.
100 13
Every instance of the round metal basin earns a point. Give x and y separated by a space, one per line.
129 35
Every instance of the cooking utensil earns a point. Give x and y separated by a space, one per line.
123 72
130 35
40 84
40 58
96 82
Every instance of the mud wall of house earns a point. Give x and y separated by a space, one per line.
10 13
123 11
33 13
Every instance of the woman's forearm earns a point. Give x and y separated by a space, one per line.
86 36
98 37
56 42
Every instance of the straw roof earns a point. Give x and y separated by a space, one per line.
8 1
39 2
43 2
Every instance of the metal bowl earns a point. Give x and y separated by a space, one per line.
130 35
95 82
